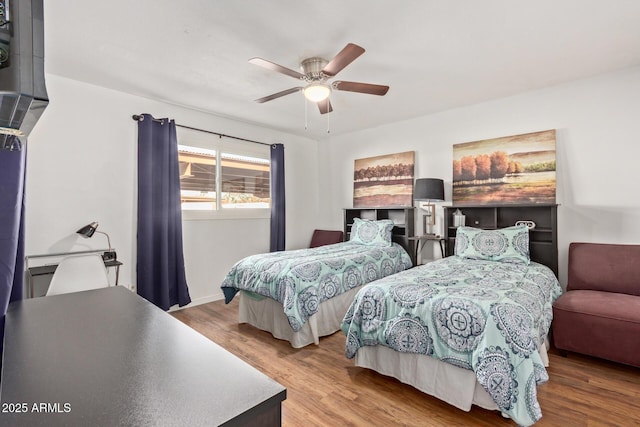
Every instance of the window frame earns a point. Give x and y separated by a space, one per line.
197 139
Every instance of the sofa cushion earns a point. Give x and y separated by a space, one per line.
604 267
600 324
620 307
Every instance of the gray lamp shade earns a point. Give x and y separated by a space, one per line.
88 230
429 189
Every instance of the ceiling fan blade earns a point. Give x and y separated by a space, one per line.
345 57
275 67
279 94
361 87
325 106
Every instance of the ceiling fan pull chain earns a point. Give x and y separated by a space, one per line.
305 112
328 115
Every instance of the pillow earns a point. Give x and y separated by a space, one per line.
509 244
373 233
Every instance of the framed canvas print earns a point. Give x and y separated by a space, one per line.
517 170
384 181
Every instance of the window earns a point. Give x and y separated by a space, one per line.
245 182
197 178
223 177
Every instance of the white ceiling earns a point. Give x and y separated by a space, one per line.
434 54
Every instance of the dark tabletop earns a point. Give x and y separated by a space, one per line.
107 357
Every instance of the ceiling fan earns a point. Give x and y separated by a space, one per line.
316 73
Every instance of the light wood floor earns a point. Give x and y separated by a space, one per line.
324 388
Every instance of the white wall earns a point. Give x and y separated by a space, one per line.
598 147
81 167
82 162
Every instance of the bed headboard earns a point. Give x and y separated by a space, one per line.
543 238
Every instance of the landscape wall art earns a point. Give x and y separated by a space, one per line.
519 169
384 181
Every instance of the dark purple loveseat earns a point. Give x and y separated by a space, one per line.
599 315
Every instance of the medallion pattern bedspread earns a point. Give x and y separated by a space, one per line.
302 279
486 316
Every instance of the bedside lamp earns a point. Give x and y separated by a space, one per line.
88 230
429 190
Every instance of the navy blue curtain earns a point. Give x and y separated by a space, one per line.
12 175
161 276
278 214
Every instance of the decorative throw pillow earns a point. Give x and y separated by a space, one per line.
374 233
509 244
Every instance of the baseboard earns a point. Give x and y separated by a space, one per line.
203 300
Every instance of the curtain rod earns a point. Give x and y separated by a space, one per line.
138 118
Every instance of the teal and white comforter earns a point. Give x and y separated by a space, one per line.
486 316
301 279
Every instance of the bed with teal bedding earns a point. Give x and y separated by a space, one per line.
300 280
488 315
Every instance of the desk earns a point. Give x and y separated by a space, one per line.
425 238
107 357
49 269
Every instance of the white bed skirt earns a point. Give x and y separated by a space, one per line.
456 386
268 315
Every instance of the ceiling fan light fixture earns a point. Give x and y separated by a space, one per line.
316 92
316 73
